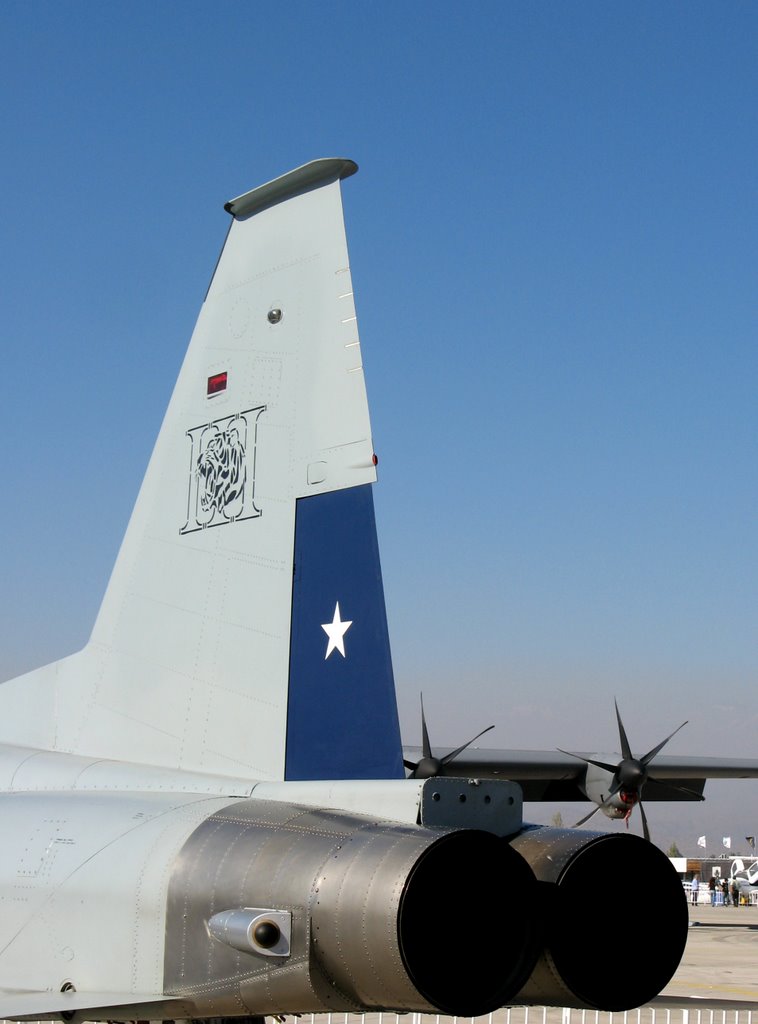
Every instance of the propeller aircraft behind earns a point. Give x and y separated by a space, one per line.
205 811
613 782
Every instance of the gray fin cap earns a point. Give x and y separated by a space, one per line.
310 175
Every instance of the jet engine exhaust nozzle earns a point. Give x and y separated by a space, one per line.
371 915
603 950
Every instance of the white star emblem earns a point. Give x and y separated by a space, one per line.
336 630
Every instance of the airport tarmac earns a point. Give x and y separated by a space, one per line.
721 959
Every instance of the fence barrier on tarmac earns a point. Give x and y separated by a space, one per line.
705 898
554 1015
535 1015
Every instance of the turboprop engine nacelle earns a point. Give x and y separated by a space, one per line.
273 905
601 950
598 784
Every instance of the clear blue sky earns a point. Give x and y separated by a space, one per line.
553 245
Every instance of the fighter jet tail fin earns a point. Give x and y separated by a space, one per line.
243 631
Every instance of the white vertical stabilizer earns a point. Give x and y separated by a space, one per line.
188 662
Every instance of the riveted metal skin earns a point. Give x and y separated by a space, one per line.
595 935
364 935
490 804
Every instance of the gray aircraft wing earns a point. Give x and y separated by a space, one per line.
556 776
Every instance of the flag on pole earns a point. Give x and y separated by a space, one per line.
750 840
701 841
727 841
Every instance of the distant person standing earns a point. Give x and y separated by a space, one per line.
725 890
694 889
712 889
735 893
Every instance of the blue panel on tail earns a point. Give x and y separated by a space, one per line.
342 715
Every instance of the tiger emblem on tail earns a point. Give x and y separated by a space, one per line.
222 473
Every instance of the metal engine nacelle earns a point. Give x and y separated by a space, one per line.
353 914
607 946
597 785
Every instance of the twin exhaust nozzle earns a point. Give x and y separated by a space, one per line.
374 914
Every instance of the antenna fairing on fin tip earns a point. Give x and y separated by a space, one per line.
188 665
317 172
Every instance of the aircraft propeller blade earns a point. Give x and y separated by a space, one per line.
626 750
426 747
459 750
656 750
611 793
645 829
631 773
589 760
429 766
587 816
